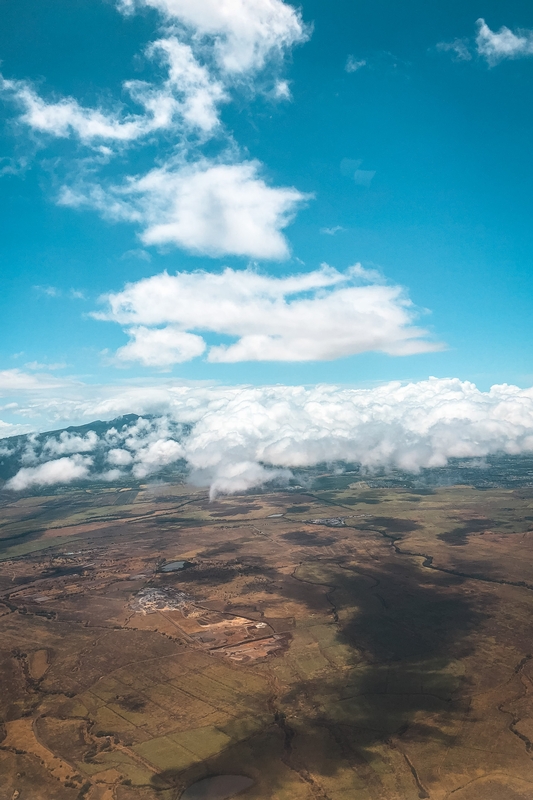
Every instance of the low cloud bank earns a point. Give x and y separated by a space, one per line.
236 438
61 470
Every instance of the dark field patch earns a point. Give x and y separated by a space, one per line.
221 549
233 511
393 524
63 571
131 702
304 538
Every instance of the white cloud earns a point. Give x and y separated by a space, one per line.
241 476
14 380
142 255
61 470
119 457
157 455
71 443
198 92
216 209
9 429
496 46
160 347
318 315
352 64
413 426
111 475
37 365
48 291
217 206
282 90
459 48
244 436
332 231
246 33
188 97
65 117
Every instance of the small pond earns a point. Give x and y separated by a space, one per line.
174 566
219 787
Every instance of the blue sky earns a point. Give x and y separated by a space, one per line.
372 134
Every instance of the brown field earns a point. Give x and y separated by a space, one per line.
344 644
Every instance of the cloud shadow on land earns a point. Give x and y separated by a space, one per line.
399 630
458 537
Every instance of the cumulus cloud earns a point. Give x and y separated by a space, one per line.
234 438
119 457
71 443
156 455
318 315
61 470
245 33
211 208
497 46
160 347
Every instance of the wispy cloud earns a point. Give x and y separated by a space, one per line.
353 64
459 49
188 97
332 231
54 291
364 177
139 253
43 366
48 291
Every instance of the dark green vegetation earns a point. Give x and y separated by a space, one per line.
350 642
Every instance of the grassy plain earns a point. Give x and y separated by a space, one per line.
343 643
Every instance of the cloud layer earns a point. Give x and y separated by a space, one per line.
320 315
239 437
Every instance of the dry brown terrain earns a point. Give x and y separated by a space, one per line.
348 644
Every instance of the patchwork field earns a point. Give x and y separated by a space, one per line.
343 643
